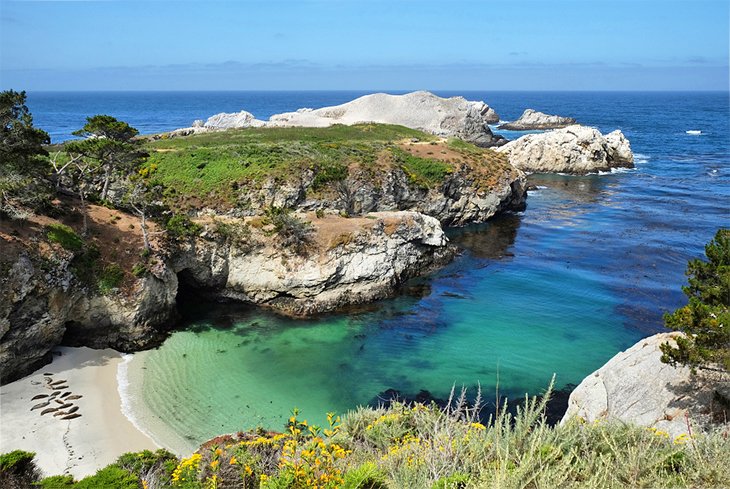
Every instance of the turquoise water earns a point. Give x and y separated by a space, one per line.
583 273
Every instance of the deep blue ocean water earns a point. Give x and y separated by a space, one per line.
585 271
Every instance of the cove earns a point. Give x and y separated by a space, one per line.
509 312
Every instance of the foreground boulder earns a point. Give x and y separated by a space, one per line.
447 117
636 387
534 120
575 149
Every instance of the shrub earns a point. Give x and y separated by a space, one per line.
706 318
423 172
179 226
110 477
57 482
293 232
139 270
110 278
65 236
18 470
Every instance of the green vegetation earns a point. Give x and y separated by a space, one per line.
18 470
419 446
22 166
293 232
110 278
65 236
214 165
423 172
706 318
179 226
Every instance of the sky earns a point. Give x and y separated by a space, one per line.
364 45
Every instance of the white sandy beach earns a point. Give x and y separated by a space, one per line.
77 446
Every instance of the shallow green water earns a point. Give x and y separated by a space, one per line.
489 319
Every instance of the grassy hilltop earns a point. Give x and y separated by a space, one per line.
215 166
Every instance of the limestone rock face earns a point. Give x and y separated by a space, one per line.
636 387
459 201
359 265
448 117
534 120
575 149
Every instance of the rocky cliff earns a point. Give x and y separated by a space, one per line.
472 192
448 117
45 301
636 387
575 149
534 120
345 261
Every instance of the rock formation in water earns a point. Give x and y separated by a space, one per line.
534 120
350 261
447 117
575 149
636 387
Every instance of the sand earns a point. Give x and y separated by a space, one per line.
80 446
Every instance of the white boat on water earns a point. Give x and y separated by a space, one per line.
694 132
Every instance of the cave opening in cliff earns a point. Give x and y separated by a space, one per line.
189 289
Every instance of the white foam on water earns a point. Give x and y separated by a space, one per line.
694 132
124 394
640 158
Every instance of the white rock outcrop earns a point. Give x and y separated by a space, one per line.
448 117
575 149
534 120
360 265
636 387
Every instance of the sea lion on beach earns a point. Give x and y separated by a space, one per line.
60 401
53 394
49 410
64 406
73 410
47 373
72 416
59 382
59 413
40 405
39 396
75 396
60 388
67 393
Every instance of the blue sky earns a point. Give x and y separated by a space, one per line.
349 44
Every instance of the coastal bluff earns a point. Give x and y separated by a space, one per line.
424 111
576 150
636 387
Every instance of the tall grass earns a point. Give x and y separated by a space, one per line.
421 446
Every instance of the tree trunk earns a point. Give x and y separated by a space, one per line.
145 235
85 230
107 177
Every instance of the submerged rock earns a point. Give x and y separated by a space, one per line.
575 149
636 387
534 120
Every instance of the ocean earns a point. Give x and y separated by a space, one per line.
585 271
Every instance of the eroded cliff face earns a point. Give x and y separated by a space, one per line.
465 197
348 261
43 303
